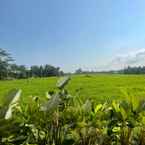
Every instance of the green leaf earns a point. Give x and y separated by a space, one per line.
116 129
123 113
12 104
62 82
98 107
135 103
116 106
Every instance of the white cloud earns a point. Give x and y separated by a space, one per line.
134 58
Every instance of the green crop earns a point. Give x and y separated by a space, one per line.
63 119
99 87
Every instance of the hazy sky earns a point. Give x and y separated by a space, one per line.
71 33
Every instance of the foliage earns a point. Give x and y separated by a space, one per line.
134 70
21 71
67 120
14 71
79 71
5 59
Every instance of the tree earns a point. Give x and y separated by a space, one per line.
23 71
51 71
35 71
9 70
5 60
134 70
19 71
78 71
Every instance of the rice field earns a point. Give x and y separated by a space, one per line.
99 86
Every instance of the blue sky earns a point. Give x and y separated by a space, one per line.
71 33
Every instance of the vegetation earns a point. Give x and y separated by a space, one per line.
8 70
134 70
102 110
21 71
4 63
63 119
127 70
100 87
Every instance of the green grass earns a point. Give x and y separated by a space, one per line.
99 87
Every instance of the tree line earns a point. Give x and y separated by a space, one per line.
127 70
134 70
9 70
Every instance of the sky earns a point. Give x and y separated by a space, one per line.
71 33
